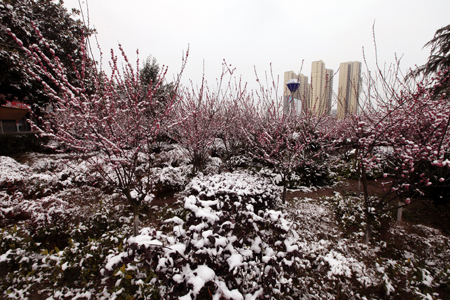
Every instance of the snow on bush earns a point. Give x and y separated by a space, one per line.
351 215
43 212
415 262
68 272
171 178
239 184
230 239
238 161
174 156
11 172
229 243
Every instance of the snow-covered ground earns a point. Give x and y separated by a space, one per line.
66 236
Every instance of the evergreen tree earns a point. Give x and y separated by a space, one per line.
150 79
439 59
59 29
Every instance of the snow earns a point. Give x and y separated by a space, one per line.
339 264
427 278
174 220
203 211
114 260
11 171
235 260
197 283
204 272
233 294
220 221
180 248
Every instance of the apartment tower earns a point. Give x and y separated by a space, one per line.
321 88
349 88
301 96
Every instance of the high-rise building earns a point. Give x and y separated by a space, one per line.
329 90
321 88
349 88
301 96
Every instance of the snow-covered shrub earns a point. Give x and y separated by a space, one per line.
59 268
346 165
239 185
218 148
39 213
229 243
173 156
238 161
350 213
11 172
44 175
313 173
333 267
310 175
171 178
415 263
213 166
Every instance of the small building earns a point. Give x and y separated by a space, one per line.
13 117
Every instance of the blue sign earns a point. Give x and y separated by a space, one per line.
293 85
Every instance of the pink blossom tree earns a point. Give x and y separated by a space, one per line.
409 122
197 124
285 141
201 116
113 128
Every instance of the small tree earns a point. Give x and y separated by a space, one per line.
197 124
113 128
201 117
282 140
409 122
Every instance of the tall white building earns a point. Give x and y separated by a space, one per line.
301 96
349 88
321 88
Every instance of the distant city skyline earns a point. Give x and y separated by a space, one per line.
320 94
315 95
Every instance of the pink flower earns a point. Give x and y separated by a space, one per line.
408 201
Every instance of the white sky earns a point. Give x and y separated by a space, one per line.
257 33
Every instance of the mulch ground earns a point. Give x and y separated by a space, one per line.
345 187
421 211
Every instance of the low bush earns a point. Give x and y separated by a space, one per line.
230 243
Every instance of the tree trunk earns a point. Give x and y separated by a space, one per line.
368 230
284 192
136 219
399 212
358 173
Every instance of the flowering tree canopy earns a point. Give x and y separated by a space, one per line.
114 126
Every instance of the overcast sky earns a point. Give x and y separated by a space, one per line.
256 33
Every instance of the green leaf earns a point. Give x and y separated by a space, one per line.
123 269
